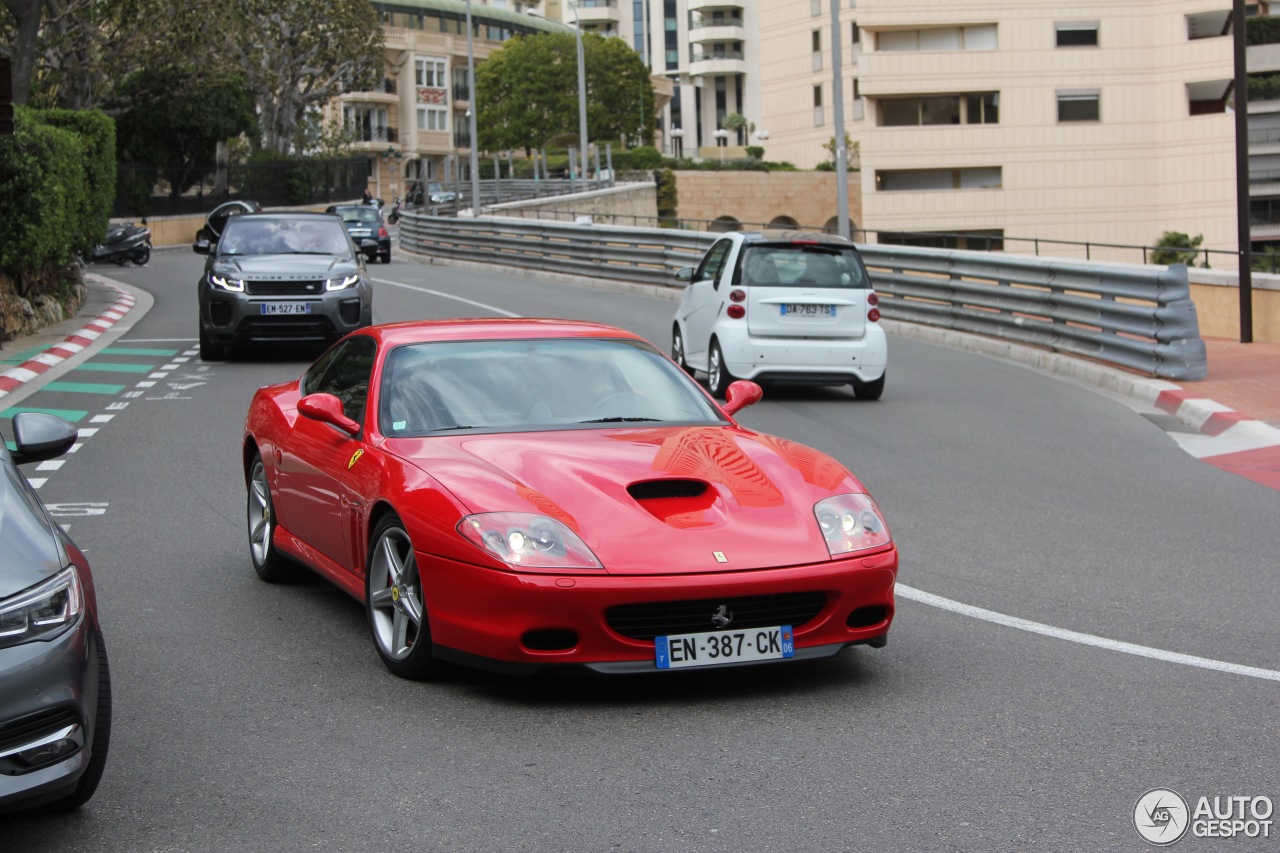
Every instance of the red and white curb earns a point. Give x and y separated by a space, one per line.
1227 440
16 377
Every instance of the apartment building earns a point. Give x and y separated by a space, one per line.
996 120
415 127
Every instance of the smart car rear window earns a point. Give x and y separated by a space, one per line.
801 265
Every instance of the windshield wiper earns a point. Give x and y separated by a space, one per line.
616 419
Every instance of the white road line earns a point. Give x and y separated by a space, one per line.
1083 639
492 308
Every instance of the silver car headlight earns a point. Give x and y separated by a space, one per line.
851 523
234 285
525 540
42 612
341 283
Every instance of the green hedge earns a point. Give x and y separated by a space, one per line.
1262 30
57 176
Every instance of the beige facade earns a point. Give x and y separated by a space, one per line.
1098 123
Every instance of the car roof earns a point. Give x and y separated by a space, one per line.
423 331
770 235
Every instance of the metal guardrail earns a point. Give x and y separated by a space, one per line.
1136 317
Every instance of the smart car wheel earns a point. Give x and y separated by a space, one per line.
718 376
270 565
869 390
677 349
394 600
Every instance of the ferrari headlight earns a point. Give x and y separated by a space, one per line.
43 611
524 540
235 285
851 523
341 283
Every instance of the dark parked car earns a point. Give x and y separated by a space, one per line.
276 277
368 231
437 194
217 218
55 686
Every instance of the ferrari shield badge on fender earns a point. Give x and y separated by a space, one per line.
354 458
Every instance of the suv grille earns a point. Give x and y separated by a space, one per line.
646 621
284 288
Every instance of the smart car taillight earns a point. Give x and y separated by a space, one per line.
736 312
873 315
873 298
737 296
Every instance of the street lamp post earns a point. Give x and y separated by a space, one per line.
722 141
582 92
471 118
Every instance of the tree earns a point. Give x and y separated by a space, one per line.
1177 248
527 92
295 60
851 153
179 130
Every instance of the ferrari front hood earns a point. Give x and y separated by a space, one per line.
669 500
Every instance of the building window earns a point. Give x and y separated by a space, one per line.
817 41
1076 33
987 240
430 73
857 35
817 106
433 118
970 108
977 37
1079 106
904 180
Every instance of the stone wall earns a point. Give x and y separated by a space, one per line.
48 304
757 199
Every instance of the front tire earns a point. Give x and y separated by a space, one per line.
718 376
209 349
396 604
677 350
269 563
141 257
101 740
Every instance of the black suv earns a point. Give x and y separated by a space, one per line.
276 277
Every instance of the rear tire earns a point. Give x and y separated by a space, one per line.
869 390
142 256
718 376
386 256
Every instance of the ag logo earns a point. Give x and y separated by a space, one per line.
1161 816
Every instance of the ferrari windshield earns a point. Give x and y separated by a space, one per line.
516 385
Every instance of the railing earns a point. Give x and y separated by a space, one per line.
507 190
376 134
1140 318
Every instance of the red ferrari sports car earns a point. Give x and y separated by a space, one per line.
518 495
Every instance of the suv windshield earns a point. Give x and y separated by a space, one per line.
247 236
801 265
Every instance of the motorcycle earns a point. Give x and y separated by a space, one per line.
394 216
124 242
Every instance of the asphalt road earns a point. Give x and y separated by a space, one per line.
258 718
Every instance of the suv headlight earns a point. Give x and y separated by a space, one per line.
235 285
851 523
341 283
524 540
42 612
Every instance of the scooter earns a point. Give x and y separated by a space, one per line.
125 242
394 216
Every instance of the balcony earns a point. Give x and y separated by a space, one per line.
374 135
709 33
461 92
713 5
718 64
598 12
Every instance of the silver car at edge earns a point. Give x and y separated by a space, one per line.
55 685
281 277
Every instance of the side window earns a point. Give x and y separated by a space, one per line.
344 372
713 263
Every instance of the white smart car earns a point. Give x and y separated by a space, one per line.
781 306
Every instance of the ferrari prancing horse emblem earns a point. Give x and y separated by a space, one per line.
354 457
720 557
